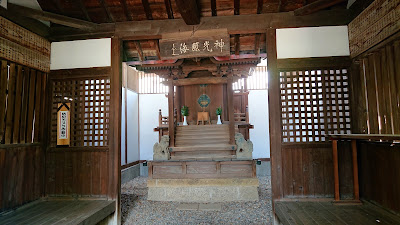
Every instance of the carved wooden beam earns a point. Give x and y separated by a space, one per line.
52 17
316 6
189 11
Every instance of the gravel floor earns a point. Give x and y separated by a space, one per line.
137 210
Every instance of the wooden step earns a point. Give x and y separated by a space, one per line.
201 137
203 158
199 142
217 147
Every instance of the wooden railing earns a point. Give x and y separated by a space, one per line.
163 120
242 117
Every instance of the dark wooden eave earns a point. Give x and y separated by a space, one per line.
189 11
316 6
51 17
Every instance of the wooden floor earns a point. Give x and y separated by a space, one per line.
327 213
60 212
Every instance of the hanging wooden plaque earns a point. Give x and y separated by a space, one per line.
191 45
63 124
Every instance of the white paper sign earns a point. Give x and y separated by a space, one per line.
63 134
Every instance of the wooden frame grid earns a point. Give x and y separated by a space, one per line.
315 102
90 110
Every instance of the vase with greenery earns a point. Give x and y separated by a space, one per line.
185 113
219 112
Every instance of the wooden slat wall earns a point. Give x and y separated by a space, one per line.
376 110
308 171
82 169
21 172
21 92
380 174
378 84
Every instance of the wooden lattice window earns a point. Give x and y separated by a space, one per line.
90 110
314 103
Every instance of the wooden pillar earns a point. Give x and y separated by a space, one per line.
178 103
355 171
171 125
335 169
275 128
230 111
114 153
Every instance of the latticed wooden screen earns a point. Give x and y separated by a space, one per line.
314 103
90 110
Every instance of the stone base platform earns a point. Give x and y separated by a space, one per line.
203 190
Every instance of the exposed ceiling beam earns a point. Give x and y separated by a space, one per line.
140 51
84 10
33 25
242 24
236 6
280 6
168 7
107 10
126 11
58 6
316 6
260 6
214 7
52 17
189 11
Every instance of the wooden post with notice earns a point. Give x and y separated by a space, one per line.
171 124
230 111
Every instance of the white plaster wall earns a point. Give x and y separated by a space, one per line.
149 104
133 126
258 116
312 42
80 54
123 128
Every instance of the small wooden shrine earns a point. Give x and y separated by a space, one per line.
203 149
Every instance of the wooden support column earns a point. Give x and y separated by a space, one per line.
115 126
171 125
355 171
335 169
275 128
230 111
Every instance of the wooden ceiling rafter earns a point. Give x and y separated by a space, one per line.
59 7
260 4
107 11
168 7
316 6
84 10
280 6
236 7
125 7
157 45
237 44
52 17
257 44
147 9
139 50
189 11
213 7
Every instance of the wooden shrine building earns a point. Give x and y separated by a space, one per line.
333 97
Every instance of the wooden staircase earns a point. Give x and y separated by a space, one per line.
203 143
